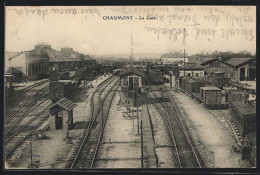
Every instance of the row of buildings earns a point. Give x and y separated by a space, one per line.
40 61
237 69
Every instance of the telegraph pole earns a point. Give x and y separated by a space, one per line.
132 49
142 151
31 150
137 114
184 62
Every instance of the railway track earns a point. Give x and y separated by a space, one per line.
15 119
12 142
185 153
28 103
32 86
101 101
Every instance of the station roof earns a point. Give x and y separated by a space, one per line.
244 108
208 88
56 56
65 104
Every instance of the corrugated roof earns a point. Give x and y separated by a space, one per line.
65 104
56 56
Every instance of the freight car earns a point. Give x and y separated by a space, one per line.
155 76
211 97
234 95
243 115
199 89
218 79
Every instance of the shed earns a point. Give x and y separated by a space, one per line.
243 114
210 95
62 111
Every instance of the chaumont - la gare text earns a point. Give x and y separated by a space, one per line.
127 17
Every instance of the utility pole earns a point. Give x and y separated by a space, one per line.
184 62
142 151
132 49
31 150
137 114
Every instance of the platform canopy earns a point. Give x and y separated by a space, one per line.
63 103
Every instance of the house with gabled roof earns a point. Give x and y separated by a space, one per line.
237 69
191 70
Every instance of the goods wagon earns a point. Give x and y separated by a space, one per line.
234 95
243 115
218 79
155 76
211 96
192 85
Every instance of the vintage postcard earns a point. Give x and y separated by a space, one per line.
94 87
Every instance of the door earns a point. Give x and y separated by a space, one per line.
58 121
131 83
252 73
242 74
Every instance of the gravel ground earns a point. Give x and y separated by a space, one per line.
162 138
119 142
55 152
210 134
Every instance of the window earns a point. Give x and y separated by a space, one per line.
197 74
189 74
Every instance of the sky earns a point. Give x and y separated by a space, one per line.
94 31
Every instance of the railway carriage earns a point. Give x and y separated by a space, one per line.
211 96
234 95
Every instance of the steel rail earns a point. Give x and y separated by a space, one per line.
27 111
8 154
103 128
169 125
93 117
29 101
179 121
